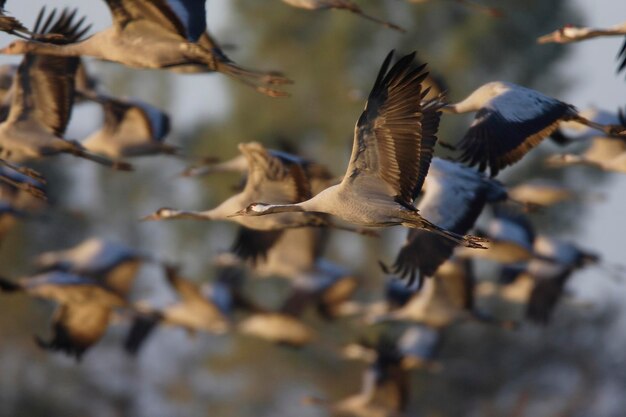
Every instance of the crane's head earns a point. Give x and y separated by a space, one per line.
161 214
587 258
254 209
17 48
563 159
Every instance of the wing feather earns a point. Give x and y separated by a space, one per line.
498 139
544 297
187 290
76 328
252 245
274 179
186 18
621 57
133 122
44 84
390 141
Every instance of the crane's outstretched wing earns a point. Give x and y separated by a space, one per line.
274 179
187 18
545 295
11 25
142 327
253 245
395 136
435 82
133 122
44 84
76 327
187 291
91 258
509 125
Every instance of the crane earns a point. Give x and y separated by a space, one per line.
393 146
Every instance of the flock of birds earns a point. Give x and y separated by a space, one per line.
287 204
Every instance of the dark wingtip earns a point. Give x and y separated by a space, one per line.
141 329
560 138
383 266
621 57
7 285
61 30
61 343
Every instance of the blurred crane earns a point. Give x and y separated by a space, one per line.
348 5
472 5
131 128
166 34
385 388
510 120
112 262
84 312
42 100
194 312
271 177
454 198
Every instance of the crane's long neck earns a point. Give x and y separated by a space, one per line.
608 129
312 400
464 106
237 164
87 47
284 208
616 30
324 202
194 215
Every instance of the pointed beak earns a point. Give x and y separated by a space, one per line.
194 171
238 213
546 38
188 172
149 217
